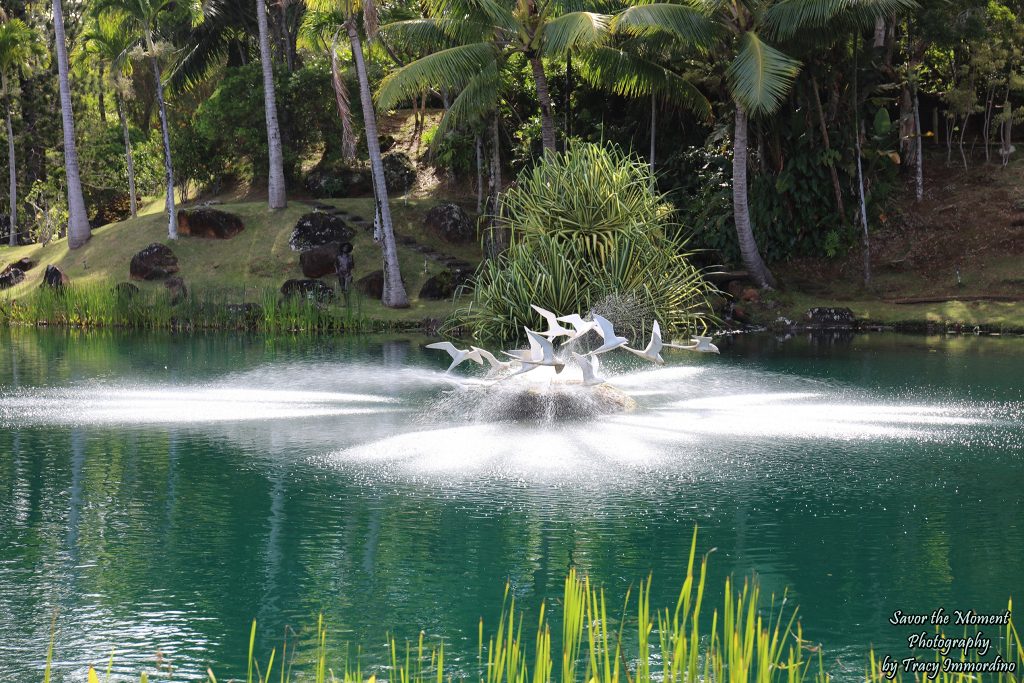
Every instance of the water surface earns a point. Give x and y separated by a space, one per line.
157 493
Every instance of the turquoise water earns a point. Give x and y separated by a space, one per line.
157 493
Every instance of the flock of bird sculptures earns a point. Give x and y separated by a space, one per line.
542 352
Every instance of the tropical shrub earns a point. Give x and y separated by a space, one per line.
585 226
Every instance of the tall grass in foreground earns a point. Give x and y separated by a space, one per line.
102 306
745 642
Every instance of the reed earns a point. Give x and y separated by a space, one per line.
750 639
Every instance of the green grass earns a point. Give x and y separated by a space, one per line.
747 638
242 269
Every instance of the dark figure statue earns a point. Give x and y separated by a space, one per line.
344 266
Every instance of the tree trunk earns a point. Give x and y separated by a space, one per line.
78 220
394 290
547 120
101 96
275 178
836 187
129 158
741 209
919 165
494 244
654 122
479 174
567 103
12 173
172 214
860 171
348 136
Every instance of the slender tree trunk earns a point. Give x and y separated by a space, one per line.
494 244
348 136
919 166
78 220
172 214
101 96
741 209
860 171
128 156
987 126
836 187
567 103
654 127
547 120
479 174
963 132
12 222
394 290
276 196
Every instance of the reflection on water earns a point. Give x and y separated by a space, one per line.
160 492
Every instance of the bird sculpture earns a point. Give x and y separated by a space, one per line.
490 358
700 345
580 326
459 356
554 329
589 367
653 350
541 352
607 332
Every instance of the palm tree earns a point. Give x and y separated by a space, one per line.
19 44
758 74
394 295
139 18
484 32
275 178
110 45
78 221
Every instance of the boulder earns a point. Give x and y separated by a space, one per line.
399 172
176 286
319 261
55 277
24 264
209 223
313 290
125 290
450 223
11 276
828 317
443 285
317 229
337 180
372 285
155 262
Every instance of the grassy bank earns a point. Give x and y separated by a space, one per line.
746 638
249 268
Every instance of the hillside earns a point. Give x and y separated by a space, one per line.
257 260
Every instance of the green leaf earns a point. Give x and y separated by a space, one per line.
476 101
882 124
573 31
788 17
453 68
760 75
688 24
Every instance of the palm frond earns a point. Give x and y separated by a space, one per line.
488 13
419 36
452 68
788 17
630 75
575 30
474 104
760 75
688 24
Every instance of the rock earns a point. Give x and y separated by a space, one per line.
372 285
443 285
317 229
386 142
176 286
155 262
735 289
337 180
740 314
399 172
828 317
450 222
209 223
55 277
319 261
750 295
125 290
24 264
313 290
11 276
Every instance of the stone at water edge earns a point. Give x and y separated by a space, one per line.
830 317
317 229
319 261
11 276
314 290
55 277
155 262
450 222
209 223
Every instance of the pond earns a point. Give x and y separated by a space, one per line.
157 493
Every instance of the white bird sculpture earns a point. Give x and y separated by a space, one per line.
607 332
700 345
541 352
589 367
489 357
653 350
459 356
554 329
580 325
